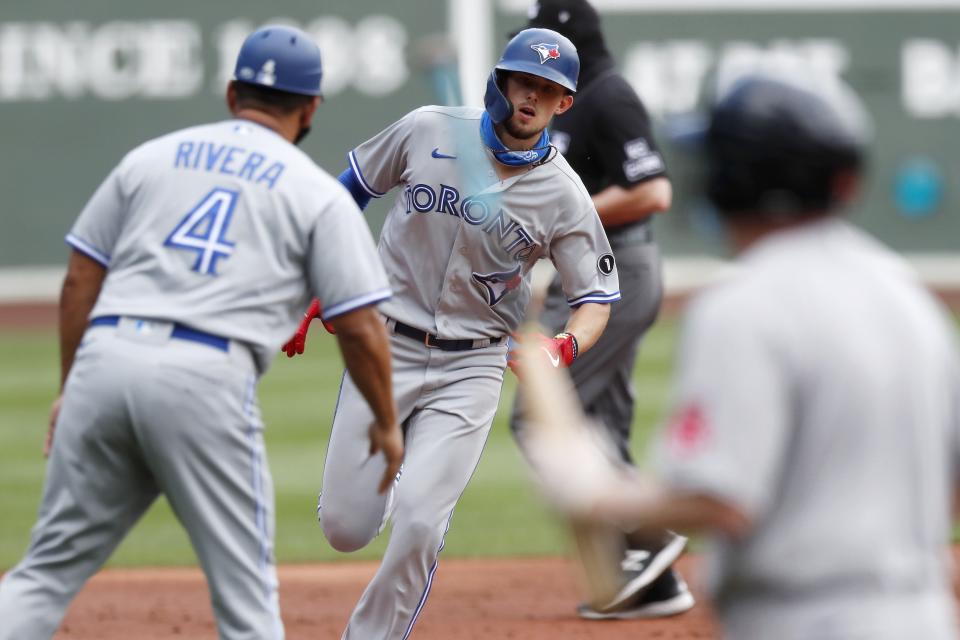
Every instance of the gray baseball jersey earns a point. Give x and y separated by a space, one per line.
214 238
223 250
819 391
458 242
458 245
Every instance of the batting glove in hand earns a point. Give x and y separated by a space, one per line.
297 343
560 350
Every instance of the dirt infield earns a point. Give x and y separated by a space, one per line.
521 599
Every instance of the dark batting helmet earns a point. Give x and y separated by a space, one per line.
281 58
775 148
539 52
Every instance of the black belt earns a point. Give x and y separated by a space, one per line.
633 232
441 343
179 331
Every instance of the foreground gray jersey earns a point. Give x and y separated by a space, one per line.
214 226
459 243
819 390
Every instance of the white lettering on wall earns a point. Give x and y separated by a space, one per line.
381 66
164 59
670 76
369 57
930 85
112 61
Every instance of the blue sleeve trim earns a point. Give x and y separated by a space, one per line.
365 300
599 298
349 179
86 249
352 157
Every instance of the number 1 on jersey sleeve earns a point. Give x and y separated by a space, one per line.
204 230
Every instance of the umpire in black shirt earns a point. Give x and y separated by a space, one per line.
606 138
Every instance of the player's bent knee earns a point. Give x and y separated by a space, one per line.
344 535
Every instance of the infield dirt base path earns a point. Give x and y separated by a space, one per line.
488 599
492 599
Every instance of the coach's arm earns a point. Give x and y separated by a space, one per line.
618 206
81 287
652 506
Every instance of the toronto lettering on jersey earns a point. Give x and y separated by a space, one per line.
474 210
228 160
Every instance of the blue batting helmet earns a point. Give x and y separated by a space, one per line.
539 52
281 58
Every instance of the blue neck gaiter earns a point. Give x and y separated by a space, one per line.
506 156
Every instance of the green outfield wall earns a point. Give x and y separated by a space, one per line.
82 82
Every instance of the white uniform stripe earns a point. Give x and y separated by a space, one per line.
267 572
363 183
355 303
84 248
426 590
595 297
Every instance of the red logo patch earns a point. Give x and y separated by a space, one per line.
688 431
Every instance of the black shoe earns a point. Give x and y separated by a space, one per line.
641 568
668 595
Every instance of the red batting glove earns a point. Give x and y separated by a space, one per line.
297 343
565 346
560 350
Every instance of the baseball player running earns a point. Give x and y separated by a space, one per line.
817 444
189 267
607 139
482 196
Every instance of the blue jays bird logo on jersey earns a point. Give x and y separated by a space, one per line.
498 284
546 51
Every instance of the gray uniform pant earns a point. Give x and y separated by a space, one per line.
603 376
446 402
145 414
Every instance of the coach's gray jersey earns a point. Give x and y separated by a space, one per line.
819 390
213 227
458 242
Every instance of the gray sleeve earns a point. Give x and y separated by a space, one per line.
344 267
730 425
954 386
98 226
379 162
582 257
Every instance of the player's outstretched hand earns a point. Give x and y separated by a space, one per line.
389 440
54 414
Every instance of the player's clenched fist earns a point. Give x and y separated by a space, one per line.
297 343
560 351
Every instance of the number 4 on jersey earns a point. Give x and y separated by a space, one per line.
204 230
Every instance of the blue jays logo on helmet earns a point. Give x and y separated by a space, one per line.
527 52
546 51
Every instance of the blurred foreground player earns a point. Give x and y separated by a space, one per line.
818 395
